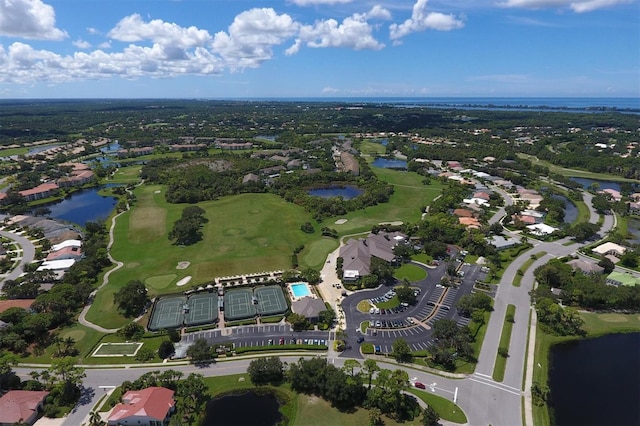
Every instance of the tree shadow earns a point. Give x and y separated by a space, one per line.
86 397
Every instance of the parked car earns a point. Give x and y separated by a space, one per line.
360 339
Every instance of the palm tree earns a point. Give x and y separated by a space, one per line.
95 419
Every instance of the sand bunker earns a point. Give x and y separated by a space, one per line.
341 221
183 265
156 192
183 281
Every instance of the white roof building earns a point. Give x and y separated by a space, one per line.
56 265
541 229
609 248
67 243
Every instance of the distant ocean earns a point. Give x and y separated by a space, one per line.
565 104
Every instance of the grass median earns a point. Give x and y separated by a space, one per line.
503 348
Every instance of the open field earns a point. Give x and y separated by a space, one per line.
127 174
245 233
370 148
573 172
404 205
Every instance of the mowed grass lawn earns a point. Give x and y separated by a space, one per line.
410 194
245 233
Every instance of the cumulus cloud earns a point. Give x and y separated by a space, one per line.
82 44
422 20
133 28
252 36
21 63
31 19
579 6
354 32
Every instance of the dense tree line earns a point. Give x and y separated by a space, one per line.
584 291
58 306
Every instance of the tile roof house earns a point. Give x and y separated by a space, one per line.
463 213
469 222
21 406
147 407
585 266
309 307
66 253
41 191
356 254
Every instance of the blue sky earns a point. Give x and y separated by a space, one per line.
319 48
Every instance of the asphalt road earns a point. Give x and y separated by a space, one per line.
28 254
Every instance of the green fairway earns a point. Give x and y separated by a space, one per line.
404 205
245 233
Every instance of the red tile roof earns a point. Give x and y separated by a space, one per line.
463 213
151 402
19 405
20 303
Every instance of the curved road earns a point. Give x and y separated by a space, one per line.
28 254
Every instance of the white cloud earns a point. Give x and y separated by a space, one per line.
82 44
23 64
105 45
579 6
315 2
92 30
133 28
354 32
31 19
252 36
422 20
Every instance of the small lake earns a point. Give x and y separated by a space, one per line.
248 409
112 148
82 207
604 184
633 227
387 163
570 209
346 192
595 382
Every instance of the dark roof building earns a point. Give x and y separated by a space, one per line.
309 307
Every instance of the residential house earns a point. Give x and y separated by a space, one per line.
250 177
234 146
77 178
135 152
21 406
463 213
469 222
609 248
152 406
585 266
66 243
309 307
612 193
65 253
502 243
541 229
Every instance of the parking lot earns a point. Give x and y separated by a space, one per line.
260 335
412 323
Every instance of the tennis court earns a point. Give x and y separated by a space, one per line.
238 304
203 309
167 313
271 300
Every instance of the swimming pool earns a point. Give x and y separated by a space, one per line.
300 290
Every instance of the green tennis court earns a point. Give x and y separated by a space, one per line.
271 300
203 309
167 313
238 304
